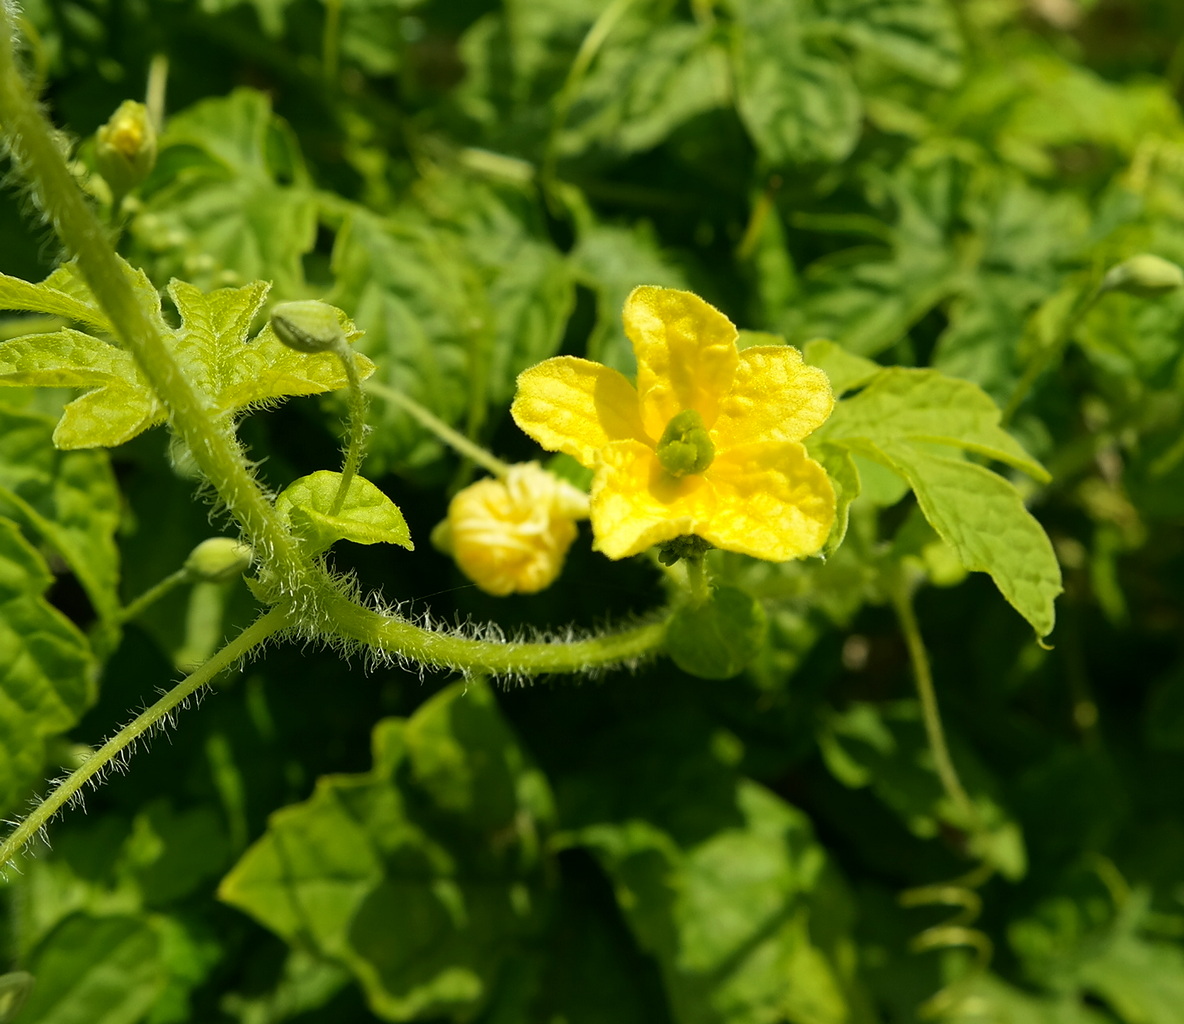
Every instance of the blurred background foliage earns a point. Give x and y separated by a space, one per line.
925 182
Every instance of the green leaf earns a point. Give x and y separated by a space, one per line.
884 747
105 970
797 100
738 920
926 406
918 37
69 498
846 370
46 297
367 516
422 876
211 346
646 81
719 637
457 301
215 210
48 674
983 518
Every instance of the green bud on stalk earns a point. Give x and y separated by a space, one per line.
125 148
1144 275
308 326
219 560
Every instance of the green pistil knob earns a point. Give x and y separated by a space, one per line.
1144 275
307 326
685 447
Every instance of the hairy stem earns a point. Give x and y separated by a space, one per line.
117 745
38 155
356 446
134 608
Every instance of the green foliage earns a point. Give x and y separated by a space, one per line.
445 835
967 212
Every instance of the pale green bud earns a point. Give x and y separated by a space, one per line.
1144 275
219 560
308 326
685 446
125 147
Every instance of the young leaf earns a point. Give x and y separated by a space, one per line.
927 406
48 674
211 346
422 876
718 638
367 516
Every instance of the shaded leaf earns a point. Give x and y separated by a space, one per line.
421 876
47 673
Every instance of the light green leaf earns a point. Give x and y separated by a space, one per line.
983 518
845 477
927 406
47 672
798 102
918 37
105 970
45 298
422 876
647 80
69 498
845 370
367 516
459 292
211 345
230 200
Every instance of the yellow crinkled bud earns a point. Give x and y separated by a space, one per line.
125 147
511 534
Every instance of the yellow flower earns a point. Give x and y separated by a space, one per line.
708 443
511 534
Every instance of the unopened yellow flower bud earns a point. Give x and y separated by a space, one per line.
219 560
125 147
511 534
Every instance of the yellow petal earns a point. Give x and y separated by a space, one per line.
636 503
575 406
774 397
686 354
772 501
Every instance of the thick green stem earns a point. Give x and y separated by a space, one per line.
403 639
119 744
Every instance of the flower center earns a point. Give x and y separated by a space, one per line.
685 447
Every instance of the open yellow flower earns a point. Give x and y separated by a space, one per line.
708 443
511 534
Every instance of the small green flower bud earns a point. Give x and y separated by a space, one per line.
1144 275
219 560
125 147
685 447
307 326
